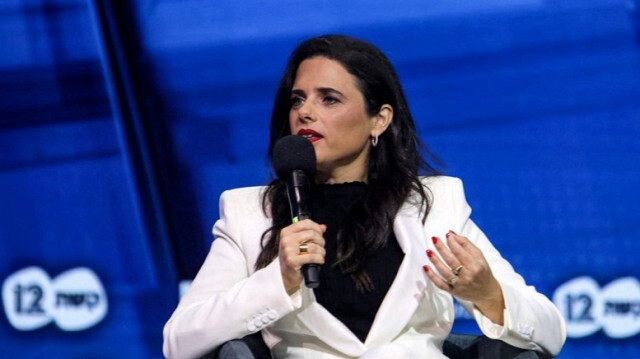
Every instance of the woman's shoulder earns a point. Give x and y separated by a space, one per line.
246 192
243 197
441 183
446 193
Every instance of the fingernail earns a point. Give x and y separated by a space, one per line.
429 253
450 231
426 268
435 240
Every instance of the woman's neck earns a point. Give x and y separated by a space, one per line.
337 177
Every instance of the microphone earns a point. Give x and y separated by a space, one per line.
294 160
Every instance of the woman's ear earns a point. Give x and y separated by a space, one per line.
382 120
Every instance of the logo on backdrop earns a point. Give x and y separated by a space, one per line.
75 300
587 308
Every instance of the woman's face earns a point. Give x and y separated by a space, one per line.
328 108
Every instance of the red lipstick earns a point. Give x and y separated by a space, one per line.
310 134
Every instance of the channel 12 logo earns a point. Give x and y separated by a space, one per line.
588 308
75 300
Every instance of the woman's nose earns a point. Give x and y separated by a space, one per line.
305 112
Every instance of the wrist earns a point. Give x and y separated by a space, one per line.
291 289
492 305
290 286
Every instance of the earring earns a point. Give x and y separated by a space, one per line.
374 140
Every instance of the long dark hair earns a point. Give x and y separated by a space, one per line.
393 164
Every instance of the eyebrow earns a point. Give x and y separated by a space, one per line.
329 90
322 90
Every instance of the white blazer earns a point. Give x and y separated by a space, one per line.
229 299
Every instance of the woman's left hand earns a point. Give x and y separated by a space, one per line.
464 272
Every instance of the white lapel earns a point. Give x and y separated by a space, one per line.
398 305
411 283
407 289
404 295
328 328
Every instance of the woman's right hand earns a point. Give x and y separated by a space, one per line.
291 258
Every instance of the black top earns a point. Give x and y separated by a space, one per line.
337 292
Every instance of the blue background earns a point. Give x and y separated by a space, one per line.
121 124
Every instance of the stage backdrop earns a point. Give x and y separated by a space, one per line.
122 122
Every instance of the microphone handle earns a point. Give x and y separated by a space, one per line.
311 274
311 271
297 191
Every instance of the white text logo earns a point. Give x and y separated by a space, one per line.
587 308
74 300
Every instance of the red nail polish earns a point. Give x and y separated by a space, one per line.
429 253
450 231
426 268
434 239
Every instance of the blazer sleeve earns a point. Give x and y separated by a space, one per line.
227 300
531 320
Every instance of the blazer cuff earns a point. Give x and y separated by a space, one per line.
489 328
519 322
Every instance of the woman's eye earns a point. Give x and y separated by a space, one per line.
330 100
296 101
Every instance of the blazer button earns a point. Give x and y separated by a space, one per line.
251 327
272 314
265 319
258 323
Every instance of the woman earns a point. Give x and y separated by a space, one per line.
394 247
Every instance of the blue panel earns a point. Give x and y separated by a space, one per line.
67 200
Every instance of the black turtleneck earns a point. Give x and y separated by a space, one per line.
330 203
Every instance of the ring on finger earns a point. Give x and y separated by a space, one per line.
303 248
452 281
457 270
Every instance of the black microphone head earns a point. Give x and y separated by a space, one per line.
293 153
